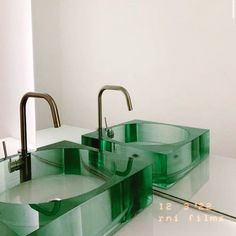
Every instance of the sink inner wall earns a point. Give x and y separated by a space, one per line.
149 134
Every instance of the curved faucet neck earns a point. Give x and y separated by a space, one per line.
23 125
110 87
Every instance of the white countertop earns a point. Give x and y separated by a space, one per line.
65 132
176 220
163 217
45 137
12 146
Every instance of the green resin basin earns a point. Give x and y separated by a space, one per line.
75 190
173 150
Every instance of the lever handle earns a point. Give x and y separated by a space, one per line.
105 119
4 149
109 131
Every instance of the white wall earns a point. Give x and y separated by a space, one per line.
177 59
16 65
47 56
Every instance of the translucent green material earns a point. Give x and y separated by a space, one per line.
174 150
75 190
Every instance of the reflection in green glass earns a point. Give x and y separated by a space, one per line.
73 192
174 150
188 187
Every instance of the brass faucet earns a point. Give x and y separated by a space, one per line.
24 163
110 87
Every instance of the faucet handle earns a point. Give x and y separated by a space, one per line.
105 119
4 149
12 165
109 131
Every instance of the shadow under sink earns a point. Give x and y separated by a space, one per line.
173 150
75 190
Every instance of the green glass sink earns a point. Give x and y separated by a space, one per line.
174 150
75 190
